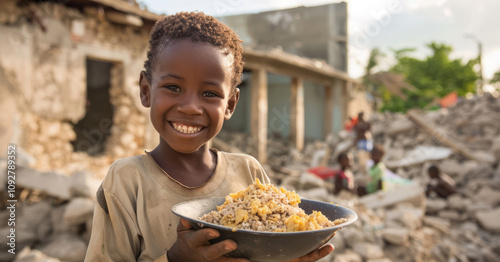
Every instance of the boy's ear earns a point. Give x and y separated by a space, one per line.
145 89
231 104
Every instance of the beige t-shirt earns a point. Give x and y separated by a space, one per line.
133 220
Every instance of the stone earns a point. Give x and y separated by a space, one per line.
452 215
351 236
438 223
434 205
495 148
57 220
66 247
488 219
310 181
488 196
34 227
348 257
33 255
399 126
456 202
396 236
84 184
320 194
368 250
78 210
50 183
474 207
410 193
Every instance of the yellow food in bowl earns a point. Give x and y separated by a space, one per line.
263 207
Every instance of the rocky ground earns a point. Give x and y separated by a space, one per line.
54 211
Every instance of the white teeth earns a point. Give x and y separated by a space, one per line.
186 129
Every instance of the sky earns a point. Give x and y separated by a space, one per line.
386 24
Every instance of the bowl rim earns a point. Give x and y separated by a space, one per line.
202 224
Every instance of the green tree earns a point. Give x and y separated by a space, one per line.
432 77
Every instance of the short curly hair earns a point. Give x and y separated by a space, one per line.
195 26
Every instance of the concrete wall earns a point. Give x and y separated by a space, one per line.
314 32
43 83
279 98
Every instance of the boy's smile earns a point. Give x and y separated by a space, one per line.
189 94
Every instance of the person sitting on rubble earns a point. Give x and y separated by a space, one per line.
374 180
363 140
441 184
344 179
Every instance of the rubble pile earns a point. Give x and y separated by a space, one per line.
54 215
404 225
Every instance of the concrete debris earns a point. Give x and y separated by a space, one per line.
489 220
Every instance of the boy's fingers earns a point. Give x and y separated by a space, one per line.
184 225
316 254
219 249
201 237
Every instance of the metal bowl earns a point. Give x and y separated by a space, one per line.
267 246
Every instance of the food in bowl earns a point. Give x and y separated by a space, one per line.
263 207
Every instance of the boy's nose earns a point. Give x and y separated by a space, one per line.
189 104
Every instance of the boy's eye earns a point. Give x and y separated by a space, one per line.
210 94
173 88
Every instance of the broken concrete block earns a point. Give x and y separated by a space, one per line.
352 236
452 215
57 220
84 184
50 183
78 210
399 126
420 155
438 223
320 194
457 202
488 196
435 205
33 255
368 250
396 236
349 256
495 148
410 193
489 220
474 207
66 247
310 181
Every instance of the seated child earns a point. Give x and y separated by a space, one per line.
189 82
441 184
376 172
344 179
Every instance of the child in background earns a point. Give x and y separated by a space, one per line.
441 184
190 81
376 172
344 179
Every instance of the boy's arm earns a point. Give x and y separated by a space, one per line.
115 235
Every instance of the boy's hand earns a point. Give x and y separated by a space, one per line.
193 245
315 255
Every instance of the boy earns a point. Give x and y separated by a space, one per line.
344 179
192 70
441 184
375 172
363 140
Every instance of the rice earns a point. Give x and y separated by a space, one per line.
263 207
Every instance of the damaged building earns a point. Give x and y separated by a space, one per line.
69 82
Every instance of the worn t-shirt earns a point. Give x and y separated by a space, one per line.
133 220
376 173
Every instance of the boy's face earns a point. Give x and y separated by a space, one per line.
189 94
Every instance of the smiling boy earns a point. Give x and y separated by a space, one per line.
190 85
